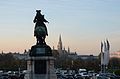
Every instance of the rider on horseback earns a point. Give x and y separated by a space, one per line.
40 30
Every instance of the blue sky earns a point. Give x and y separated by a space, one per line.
83 24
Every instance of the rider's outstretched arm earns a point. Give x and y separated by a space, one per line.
44 19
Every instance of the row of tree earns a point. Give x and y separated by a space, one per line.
9 62
89 64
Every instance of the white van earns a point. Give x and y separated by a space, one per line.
83 72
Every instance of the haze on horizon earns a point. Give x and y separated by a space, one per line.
83 24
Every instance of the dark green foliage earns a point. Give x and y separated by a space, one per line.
89 64
9 62
117 72
75 64
114 63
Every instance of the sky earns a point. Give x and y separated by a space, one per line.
83 24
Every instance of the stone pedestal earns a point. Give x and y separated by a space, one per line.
40 63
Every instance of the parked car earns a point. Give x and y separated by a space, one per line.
4 76
59 75
78 76
107 76
69 76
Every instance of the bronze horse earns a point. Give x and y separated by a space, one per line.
40 30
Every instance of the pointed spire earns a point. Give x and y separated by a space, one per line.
105 47
101 46
68 49
108 52
108 45
105 56
60 38
60 43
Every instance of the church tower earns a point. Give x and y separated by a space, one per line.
60 45
68 50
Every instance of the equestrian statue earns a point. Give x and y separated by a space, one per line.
40 30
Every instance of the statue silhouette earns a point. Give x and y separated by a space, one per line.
40 30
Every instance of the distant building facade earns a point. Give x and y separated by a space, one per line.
88 57
21 56
62 52
115 54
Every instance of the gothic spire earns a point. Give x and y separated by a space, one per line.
60 43
68 50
